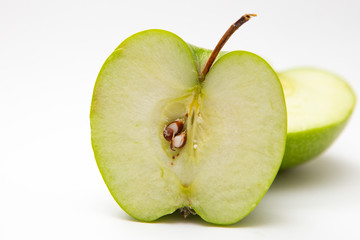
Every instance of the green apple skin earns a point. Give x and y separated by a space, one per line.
151 79
305 143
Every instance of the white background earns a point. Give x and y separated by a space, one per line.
50 55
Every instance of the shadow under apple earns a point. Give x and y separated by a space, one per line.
293 188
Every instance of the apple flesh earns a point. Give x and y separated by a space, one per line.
319 104
235 124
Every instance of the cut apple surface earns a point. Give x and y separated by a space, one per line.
319 103
234 123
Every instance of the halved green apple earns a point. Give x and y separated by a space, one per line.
319 104
233 127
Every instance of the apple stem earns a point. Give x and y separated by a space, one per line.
222 42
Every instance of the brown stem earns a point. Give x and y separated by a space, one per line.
222 42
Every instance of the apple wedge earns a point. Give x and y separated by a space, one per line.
167 137
319 104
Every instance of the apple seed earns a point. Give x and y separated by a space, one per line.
172 129
178 141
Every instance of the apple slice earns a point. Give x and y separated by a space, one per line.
319 104
166 137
